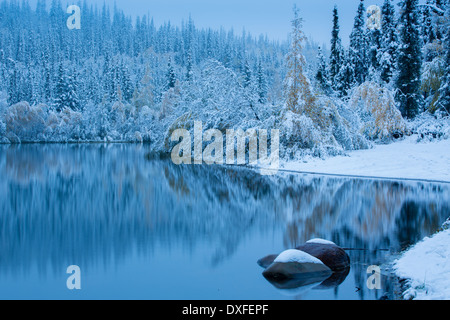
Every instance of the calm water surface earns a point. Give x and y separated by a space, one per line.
140 227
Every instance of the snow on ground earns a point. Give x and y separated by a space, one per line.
426 266
405 159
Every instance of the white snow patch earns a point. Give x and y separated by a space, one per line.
426 265
293 255
405 159
320 241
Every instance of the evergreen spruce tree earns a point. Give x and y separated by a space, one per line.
126 84
444 91
189 67
262 84
375 38
322 73
61 89
247 74
409 62
389 42
71 96
66 90
346 76
171 78
439 4
427 29
358 53
109 86
47 95
13 90
336 50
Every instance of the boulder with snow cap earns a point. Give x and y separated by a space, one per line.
296 263
316 256
333 256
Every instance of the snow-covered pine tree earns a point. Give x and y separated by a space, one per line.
47 86
261 83
358 51
374 52
427 31
322 77
13 89
66 90
61 89
409 61
126 84
189 67
336 50
109 83
143 96
389 42
71 96
345 80
171 77
439 5
444 91
247 74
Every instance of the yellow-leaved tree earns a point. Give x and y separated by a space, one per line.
376 107
300 97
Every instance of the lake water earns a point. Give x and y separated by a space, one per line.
140 227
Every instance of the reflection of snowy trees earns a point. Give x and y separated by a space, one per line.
97 203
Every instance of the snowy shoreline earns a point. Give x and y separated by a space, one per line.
404 160
426 268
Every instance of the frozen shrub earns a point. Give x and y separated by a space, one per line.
432 75
299 131
3 138
376 107
429 127
346 127
64 126
25 122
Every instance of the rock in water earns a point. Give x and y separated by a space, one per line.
296 263
267 261
315 257
330 254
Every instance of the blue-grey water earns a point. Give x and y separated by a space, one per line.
140 227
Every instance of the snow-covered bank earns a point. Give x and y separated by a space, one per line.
426 267
405 159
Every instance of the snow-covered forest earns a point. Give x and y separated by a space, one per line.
119 79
